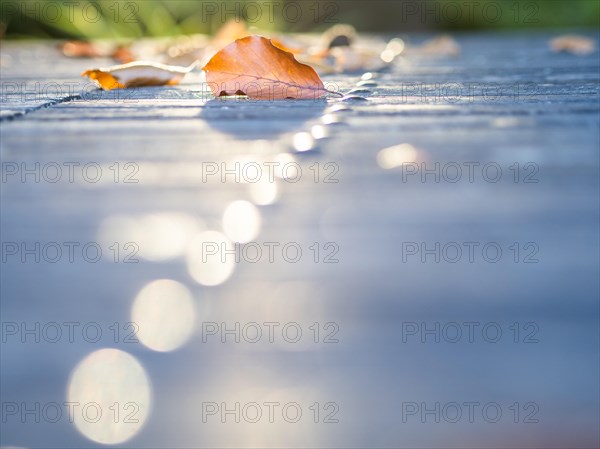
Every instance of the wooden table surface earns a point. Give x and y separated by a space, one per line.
509 132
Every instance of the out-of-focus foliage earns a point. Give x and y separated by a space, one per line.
127 19
526 14
111 18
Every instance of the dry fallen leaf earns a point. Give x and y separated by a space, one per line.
353 59
138 74
340 50
81 49
344 59
570 43
123 54
438 46
340 35
253 66
84 49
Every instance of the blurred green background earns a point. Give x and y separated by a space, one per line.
131 19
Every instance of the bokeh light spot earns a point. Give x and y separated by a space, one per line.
395 156
241 221
211 258
164 315
111 395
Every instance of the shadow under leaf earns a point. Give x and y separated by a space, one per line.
246 119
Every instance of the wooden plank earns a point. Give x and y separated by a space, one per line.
546 120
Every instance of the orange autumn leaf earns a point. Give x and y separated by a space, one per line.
443 45
123 54
253 66
84 49
80 49
571 43
137 74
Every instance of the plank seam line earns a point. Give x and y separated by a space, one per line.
48 105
